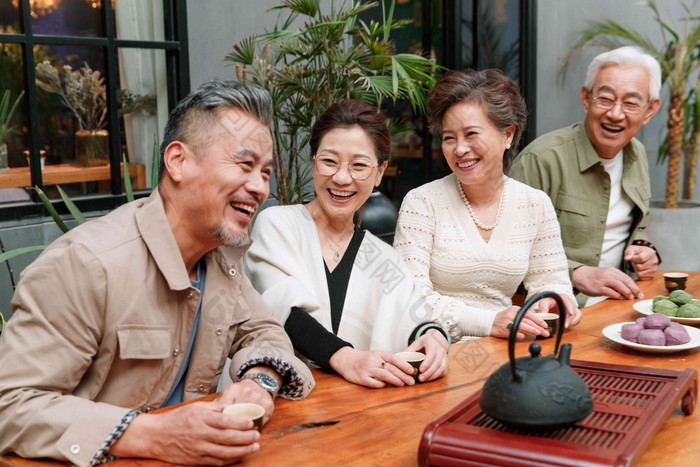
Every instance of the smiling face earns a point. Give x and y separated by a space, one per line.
224 185
610 130
339 195
473 146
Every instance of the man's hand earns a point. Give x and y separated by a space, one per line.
434 345
372 368
247 391
573 314
643 259
192 434
608 282
531 323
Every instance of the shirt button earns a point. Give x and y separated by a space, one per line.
176 352
219 331
231 272
75 449
602 220
190 295
201 388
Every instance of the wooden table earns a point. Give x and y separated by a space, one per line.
344 424
59 174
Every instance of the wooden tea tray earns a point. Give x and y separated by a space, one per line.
630 404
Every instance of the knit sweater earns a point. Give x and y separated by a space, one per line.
466 280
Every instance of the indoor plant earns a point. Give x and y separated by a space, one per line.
7 111
83 92
335 56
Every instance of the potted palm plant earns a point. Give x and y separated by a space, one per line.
336 55
672 230
7 111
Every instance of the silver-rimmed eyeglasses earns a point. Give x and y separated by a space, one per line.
328 166
628 107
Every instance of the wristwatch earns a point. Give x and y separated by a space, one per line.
266 382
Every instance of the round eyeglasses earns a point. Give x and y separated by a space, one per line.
328 166
628 107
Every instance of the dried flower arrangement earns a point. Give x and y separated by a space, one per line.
84 93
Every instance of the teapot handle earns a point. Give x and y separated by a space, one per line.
516 323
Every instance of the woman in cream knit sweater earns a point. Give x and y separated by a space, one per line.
471 238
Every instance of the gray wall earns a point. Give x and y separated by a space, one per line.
215 26
559 104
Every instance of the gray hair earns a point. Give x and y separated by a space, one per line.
626 56
194 118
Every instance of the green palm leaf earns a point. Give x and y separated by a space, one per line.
52 211
8 255
72 208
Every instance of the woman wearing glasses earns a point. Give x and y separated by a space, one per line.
345 297
472 237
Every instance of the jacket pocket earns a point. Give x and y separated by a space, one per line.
143 341
574 216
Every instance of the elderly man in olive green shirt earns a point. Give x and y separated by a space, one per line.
597 176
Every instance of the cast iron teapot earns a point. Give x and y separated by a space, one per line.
537 391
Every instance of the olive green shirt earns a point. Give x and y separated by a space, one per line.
565 165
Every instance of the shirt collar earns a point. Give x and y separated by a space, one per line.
586 153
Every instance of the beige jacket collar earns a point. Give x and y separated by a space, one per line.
156 232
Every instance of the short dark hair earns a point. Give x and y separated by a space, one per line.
498 95
348 113
194 118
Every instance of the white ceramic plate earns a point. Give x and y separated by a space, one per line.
613 331
644 307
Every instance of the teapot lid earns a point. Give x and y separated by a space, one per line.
535 362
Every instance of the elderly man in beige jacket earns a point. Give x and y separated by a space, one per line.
141 308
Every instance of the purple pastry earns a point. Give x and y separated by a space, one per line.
676 335
630 331
657 321
640 321
651 337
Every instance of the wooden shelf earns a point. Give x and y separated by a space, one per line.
70 173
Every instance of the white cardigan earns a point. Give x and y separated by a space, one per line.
285 264
468 280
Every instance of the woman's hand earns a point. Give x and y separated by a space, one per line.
434 345
372 368
531 323
573 314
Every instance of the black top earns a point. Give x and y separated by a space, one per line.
308 336
339 279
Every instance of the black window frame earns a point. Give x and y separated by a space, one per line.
175 47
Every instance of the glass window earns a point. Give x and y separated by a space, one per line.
12 158
139 20
497 36
71 97
66 134
81 18
143 106
9 17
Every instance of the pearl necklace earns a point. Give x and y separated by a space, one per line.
471 211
